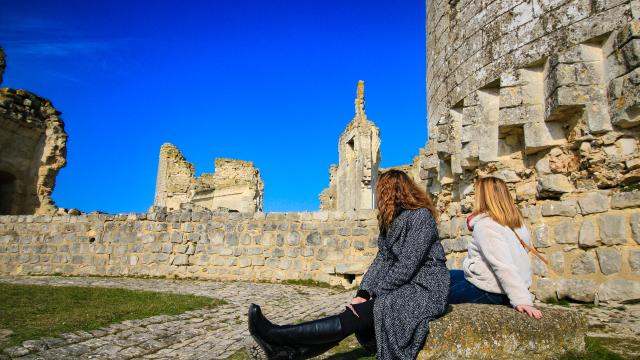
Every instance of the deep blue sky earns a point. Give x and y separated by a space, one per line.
268 81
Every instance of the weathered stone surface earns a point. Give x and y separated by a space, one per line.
352 182
499 332
235 185
565 232
619 290
33 143
504 93
565 208
634 260
577 289
546 289
624 200
610 260
635 227
541 236
613 229
554 185
3 64
593 203
585 263
588 234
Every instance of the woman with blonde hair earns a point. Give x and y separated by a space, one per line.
496 269
404 288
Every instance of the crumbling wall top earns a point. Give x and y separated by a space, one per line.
3 64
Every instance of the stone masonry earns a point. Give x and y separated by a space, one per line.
236 184
334 247
33 150
352 182
545 95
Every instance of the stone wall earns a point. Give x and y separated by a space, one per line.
592 242
334 247
545 95
33 143
235 185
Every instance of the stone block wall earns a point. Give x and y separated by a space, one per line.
592 242
334 247
544 95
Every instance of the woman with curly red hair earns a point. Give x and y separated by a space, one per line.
405 287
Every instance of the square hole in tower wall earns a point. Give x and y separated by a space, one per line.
510 147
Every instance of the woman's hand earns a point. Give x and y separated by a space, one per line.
354 301
530 310
358 300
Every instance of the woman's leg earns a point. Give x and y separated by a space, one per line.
361 323
462 291
311 338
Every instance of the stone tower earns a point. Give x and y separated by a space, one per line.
236 184
352 181
32 151
532 91
546 96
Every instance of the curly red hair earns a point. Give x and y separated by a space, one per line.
396 191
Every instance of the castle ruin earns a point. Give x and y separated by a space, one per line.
543 94
236 184
352 182
32 151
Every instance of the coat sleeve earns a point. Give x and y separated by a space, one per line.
415 246
495 251
370 278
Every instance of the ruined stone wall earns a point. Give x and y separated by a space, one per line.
352 182
33 150
235 185
334 247
3 64
545 95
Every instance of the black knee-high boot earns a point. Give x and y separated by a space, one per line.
300 341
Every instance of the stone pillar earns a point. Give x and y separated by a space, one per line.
355 176
175 175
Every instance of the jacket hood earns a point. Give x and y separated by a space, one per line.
473 219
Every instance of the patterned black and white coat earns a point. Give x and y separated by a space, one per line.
409 282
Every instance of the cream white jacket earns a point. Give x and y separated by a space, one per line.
497 262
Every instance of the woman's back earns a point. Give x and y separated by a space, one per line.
496 260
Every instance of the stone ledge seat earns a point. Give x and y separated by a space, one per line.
478 331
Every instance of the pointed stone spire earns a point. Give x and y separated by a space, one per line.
360 100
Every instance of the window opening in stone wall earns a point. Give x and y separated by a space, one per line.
349 277
7 192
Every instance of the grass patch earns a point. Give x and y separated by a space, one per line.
314 283
595 350
349 349
630 187
34 311
561 302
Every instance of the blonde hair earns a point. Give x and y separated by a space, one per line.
493 198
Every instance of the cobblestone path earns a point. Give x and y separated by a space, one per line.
220 332
214 333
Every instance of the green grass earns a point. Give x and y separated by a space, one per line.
630 187
34 311
595 350
313 283
561 302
